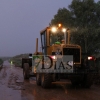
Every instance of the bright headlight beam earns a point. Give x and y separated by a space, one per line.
53 29
63 30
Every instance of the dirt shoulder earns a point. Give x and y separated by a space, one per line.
11 82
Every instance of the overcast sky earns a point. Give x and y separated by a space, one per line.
21 22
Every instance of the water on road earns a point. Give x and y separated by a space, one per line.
13 87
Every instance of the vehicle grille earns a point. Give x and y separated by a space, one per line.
73 51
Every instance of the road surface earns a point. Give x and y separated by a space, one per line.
13 87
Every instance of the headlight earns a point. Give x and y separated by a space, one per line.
54 29
63 30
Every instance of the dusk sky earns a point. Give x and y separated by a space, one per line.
21 22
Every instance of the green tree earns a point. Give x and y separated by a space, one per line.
83 19
63 16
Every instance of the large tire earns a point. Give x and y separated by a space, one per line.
87 81
46 80
38 79
26 71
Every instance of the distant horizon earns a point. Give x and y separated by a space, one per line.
14 55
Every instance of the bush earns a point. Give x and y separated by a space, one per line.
1 61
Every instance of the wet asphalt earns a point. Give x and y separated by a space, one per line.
14 87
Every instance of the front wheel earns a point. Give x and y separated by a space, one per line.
38 79
26 71
87 81
46 80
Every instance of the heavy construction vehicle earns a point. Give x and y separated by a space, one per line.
59 60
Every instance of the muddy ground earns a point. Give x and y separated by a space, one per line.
13 87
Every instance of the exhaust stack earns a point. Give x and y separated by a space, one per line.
36 45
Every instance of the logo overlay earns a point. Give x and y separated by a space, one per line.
52 64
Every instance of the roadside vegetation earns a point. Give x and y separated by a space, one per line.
1 63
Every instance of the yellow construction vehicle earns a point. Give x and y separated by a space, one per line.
59 59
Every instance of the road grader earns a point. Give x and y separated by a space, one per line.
59 59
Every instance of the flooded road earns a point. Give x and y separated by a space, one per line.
60 92
8 85
13 87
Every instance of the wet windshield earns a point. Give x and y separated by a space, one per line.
56 37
